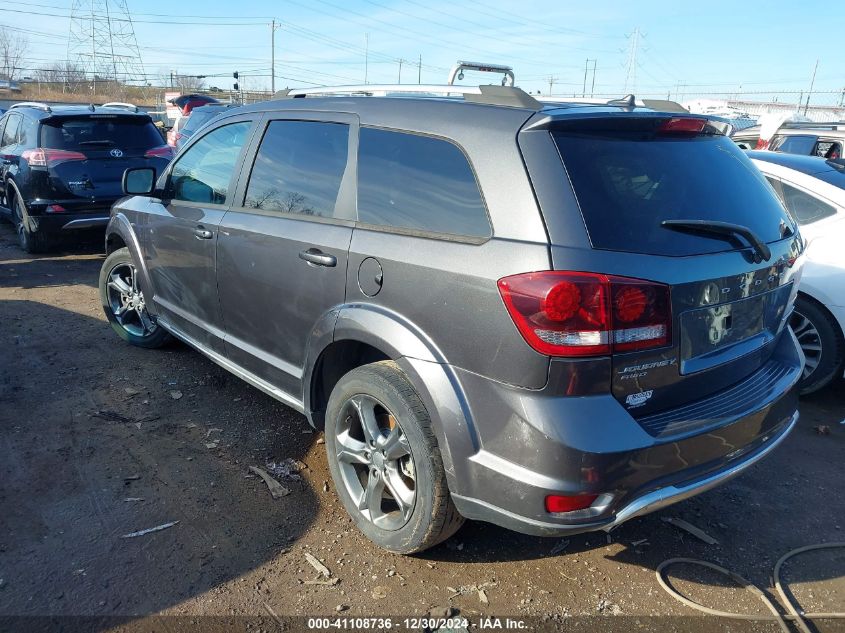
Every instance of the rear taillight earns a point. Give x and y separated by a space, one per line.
55 208
46 157
163 151
586 314
762 144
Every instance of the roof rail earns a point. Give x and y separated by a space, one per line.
490 95
121 104
32 104
828 125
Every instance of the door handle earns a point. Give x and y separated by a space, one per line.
317 257
203 233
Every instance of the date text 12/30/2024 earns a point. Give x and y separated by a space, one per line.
413 624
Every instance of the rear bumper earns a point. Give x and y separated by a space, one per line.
534 444
57 222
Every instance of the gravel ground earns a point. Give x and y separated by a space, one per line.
99 440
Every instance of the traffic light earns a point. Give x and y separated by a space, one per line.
235 75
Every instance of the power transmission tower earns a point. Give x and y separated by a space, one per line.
102 42
631 64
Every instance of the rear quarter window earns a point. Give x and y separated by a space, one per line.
628 183
80 133
415 182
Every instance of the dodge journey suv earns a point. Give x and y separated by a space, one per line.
551 317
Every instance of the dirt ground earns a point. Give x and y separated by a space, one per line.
99 440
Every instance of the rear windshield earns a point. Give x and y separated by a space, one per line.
199 117
627 183
91 132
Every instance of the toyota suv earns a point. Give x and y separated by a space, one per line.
62 165
551 317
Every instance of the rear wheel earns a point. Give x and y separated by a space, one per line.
822 342
30 241
124 305
385 461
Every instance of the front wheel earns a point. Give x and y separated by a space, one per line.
385 461
124 305
821 340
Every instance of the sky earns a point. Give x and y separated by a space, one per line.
683 49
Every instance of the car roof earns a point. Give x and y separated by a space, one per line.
830 171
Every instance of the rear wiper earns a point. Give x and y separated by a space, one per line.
722 228
103 142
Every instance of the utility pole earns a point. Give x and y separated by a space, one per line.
419 70
586 71
273 56
552 80
631 73
810 92
593 87
401 61
366 55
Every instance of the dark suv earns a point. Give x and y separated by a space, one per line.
62 165
550 317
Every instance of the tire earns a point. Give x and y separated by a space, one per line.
29 241
821 339
359 466
123 303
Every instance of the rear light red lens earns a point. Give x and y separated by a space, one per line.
164 151
585 314
46 157
761 144
682 125
569 503
55 208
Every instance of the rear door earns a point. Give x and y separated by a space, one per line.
729 300
282 251
180 230
87 155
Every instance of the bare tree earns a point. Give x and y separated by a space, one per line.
13 47
187 83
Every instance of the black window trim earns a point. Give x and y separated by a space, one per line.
163 185
433 235
347 195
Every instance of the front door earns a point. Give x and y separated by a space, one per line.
181 233
282 250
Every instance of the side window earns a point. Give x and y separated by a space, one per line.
298 168
829 149
202 174
418 182
804 207
775 183
10 132
797 144
27 132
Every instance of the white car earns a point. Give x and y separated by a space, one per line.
813 190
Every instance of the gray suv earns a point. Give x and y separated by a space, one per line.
550 317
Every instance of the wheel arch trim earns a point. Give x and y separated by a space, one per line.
119 225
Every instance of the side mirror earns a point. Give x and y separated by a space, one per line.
139 181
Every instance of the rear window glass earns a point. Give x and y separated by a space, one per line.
627 183
198 118
106 131
418 182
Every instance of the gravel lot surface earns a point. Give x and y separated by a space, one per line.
99 440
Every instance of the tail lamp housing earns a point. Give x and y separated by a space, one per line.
46 157
562 313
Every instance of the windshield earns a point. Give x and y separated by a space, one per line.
627 183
